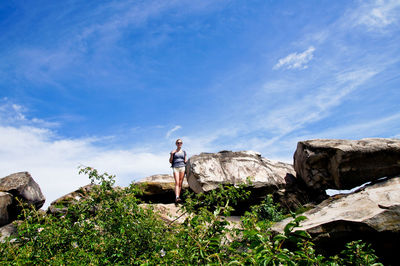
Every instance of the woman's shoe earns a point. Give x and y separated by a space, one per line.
178 200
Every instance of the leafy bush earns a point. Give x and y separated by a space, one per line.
109 226
268 210
106 227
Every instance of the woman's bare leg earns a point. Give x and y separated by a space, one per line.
177 190
181 177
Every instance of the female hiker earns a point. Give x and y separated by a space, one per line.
178 160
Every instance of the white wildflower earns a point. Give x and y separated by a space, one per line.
162 252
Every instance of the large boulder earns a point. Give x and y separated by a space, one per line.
345 164
207 171
6 201
7 231
60 205
23 186
371 214
160 188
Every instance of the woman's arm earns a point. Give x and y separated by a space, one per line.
171 157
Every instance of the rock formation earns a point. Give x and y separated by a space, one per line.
296 193
170 212
173 214
208 170
371 214
160 188
6 200
345 164
60 205
23 186
7 230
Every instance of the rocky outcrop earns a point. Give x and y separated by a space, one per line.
371 214
170 213
23 186
345 164
60 205
6 200
159 188
7 231
207 171
296 193
173 214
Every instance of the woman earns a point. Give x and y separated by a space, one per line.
178 160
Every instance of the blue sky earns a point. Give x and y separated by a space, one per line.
112 84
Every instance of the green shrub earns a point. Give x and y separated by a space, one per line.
268 210
108 226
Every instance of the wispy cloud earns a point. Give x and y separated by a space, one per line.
29 145
53 160
316 104
15 114
377 14
177 127
296 60
89 45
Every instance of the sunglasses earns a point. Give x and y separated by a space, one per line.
179 143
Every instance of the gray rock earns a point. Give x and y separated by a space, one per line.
371 214
169 213
345 164
207 171
160 188
7 231
173 214
22 185
60 205
296 193
6 200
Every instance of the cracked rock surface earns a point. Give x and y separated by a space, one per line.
345 164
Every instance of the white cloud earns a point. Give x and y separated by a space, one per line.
269 129
177 127
14 114
99 30
28 145
377 14
296 60
370 128
316 104
53 161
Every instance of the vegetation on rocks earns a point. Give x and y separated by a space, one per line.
109 227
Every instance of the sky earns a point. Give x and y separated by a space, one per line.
113 84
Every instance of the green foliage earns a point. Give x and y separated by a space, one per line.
109 226
268 210
224 199
357 253
106 227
